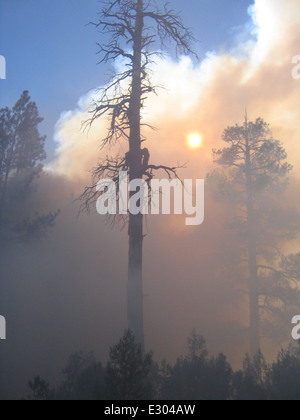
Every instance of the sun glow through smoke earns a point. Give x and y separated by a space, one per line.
194 140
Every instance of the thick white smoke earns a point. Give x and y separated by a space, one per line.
208 96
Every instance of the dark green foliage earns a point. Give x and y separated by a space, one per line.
128 371
196 376
21 155
249 383
283 379
22 147
40 390
84 378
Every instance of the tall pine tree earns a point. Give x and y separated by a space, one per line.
252 178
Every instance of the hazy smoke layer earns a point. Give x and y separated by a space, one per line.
68 292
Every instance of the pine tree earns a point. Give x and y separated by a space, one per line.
253 176
22 150
127 372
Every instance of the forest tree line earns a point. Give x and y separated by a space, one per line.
128 375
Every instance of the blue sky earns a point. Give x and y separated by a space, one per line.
52 53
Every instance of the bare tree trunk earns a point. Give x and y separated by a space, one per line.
124 19
135 231
252 256
253 289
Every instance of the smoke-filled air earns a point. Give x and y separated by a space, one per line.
198 311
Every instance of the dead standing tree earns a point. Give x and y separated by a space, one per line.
134 27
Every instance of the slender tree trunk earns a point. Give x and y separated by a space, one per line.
3 189
252 256
3 197
253 288
135 231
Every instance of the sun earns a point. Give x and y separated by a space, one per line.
194 140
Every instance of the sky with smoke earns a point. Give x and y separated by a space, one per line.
67 293
255 74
